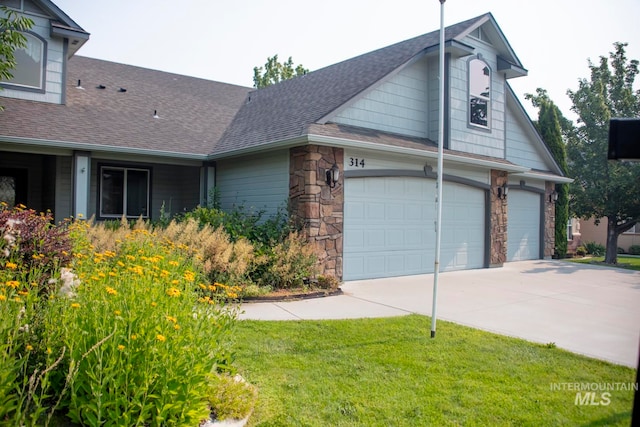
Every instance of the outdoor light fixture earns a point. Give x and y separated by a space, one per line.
553 197
503 190
333 175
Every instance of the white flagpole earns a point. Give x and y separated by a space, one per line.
436 263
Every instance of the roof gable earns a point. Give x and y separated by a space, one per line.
286 110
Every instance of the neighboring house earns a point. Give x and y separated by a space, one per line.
90 137
598 233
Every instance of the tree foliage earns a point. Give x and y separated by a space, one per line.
552 125
11 38
274 72
602 188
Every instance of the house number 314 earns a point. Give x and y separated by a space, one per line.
356 162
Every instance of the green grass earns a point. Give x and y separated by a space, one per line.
388 372
628 262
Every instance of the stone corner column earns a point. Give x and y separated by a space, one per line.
317 207
498 220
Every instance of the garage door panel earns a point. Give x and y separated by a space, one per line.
402 241
523 235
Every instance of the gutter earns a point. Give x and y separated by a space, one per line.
83 146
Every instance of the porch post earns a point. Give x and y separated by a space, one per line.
81 183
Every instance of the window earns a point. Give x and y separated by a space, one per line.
570 229
30 63
13 186
479 93
633 230
124 191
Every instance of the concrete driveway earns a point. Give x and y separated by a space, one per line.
585 309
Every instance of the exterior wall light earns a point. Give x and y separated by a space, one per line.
333 175
503 190
553 197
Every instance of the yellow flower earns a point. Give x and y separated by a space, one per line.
174 263
121 264
190 276
130 257
75 305
48 350
111 291
153 304
17 299
11 265
12 283
161 338
23 293
117 312
3 298
172 319
173 292
134 337
176 327
120 347
112 274
29 347
175 282
101 274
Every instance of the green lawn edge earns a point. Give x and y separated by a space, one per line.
387 371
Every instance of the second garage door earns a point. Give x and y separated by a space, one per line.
389 227
523 232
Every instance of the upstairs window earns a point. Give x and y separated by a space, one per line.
124 191
479 93
30 64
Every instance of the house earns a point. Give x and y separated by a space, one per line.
349 147
593 231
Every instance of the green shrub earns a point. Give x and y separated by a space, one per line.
634 250
231 397
581 251
594 248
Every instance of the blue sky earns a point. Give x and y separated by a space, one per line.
224 39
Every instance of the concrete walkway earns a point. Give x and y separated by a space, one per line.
585 309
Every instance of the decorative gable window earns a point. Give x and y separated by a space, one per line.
30 65
124 191
479 93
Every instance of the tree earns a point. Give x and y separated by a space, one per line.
552 126
11 38
602 188
274 72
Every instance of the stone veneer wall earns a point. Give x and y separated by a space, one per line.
498 225
317 207
549 221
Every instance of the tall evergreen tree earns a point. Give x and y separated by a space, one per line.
605 189
550 129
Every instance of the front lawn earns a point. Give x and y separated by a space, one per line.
388 372
628 262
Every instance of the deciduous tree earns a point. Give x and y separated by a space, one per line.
604 189
274 72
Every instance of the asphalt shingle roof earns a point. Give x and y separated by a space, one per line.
287 109
193 112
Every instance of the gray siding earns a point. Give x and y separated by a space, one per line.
521 148
469 138
398 105
64 187
259 182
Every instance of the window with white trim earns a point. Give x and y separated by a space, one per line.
633 230
479 93
30 64
124 191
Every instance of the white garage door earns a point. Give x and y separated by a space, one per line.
523 234
389 227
